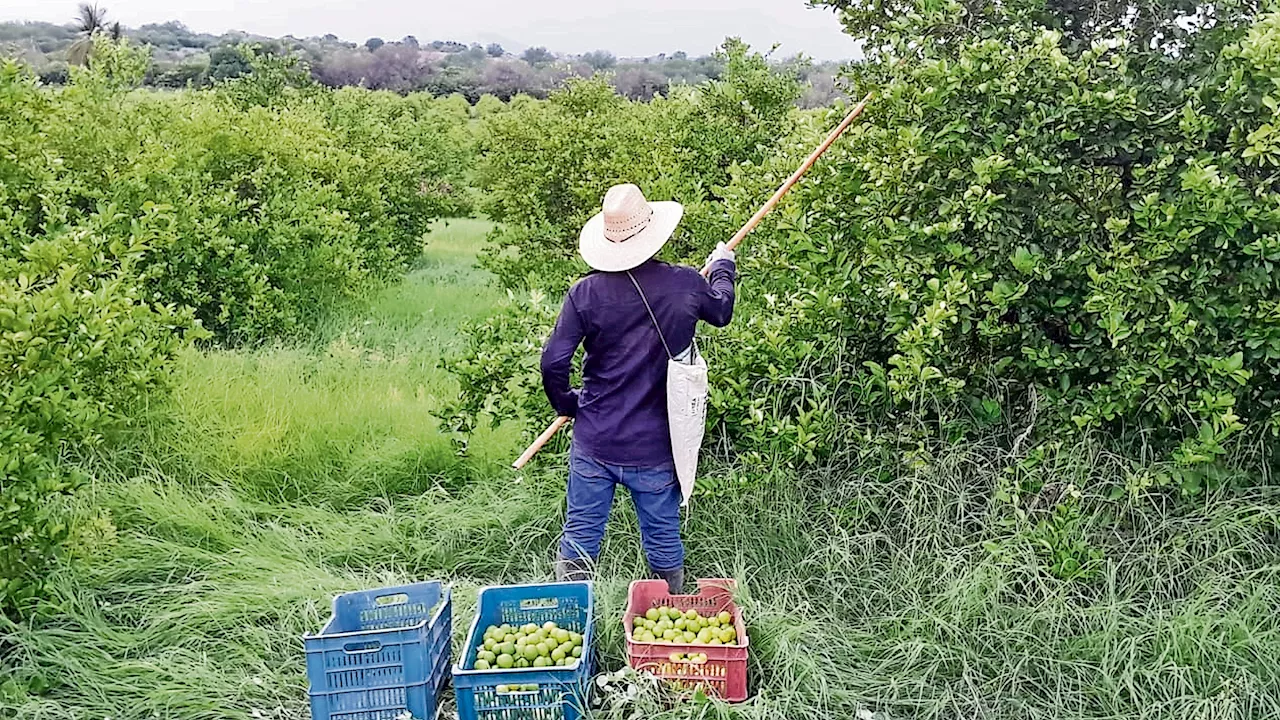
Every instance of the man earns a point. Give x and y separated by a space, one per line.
621 434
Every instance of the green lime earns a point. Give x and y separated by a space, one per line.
577 651
548 626
522 663
652 614
505 661
507 647
502 689
481 664
725 618
560 635
727 635
689 636
557 654
531 652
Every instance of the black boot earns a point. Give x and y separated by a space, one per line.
674 578
574 569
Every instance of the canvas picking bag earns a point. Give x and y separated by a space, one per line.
686 404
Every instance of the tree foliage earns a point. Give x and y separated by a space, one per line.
133 222
1069 224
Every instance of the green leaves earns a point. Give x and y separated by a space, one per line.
135 223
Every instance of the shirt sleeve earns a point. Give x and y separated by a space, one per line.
715 304
557 360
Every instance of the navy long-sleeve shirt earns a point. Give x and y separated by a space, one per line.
620 414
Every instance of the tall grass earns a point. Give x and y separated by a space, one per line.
286 475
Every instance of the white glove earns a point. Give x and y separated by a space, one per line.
722 252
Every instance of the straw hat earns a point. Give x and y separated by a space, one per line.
629 231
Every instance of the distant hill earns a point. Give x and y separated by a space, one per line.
493 65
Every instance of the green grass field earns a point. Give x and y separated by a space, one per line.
281 476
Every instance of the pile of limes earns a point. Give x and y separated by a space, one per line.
504 689
667 624
530 645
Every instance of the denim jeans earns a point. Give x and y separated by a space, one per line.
655 493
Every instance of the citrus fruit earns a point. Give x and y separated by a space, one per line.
502 689
724 617
577 651
530 652
505 661
481 664
652 614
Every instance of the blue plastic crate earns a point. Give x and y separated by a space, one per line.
562 691
384 652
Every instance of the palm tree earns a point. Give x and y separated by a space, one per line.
90 20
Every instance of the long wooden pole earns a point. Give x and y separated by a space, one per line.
795 177
764 210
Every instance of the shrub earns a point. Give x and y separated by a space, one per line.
132 221
1070 228
282 200
80 339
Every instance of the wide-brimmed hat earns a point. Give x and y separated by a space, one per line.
629 231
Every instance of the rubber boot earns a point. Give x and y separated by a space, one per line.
574 569
674 578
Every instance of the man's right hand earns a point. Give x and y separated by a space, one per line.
722 252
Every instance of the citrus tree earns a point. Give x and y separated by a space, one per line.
1054 218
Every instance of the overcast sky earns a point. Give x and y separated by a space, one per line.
625 27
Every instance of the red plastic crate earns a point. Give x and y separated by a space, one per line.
724 674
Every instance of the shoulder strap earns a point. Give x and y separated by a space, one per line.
652 317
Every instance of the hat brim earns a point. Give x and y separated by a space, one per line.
602 254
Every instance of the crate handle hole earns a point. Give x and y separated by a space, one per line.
361 648
550 603
387 600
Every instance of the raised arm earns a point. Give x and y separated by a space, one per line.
716 306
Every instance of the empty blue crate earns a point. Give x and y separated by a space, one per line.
546 693
383 655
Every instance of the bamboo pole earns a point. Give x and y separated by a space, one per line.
760 214
795 177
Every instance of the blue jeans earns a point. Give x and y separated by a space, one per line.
655 493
